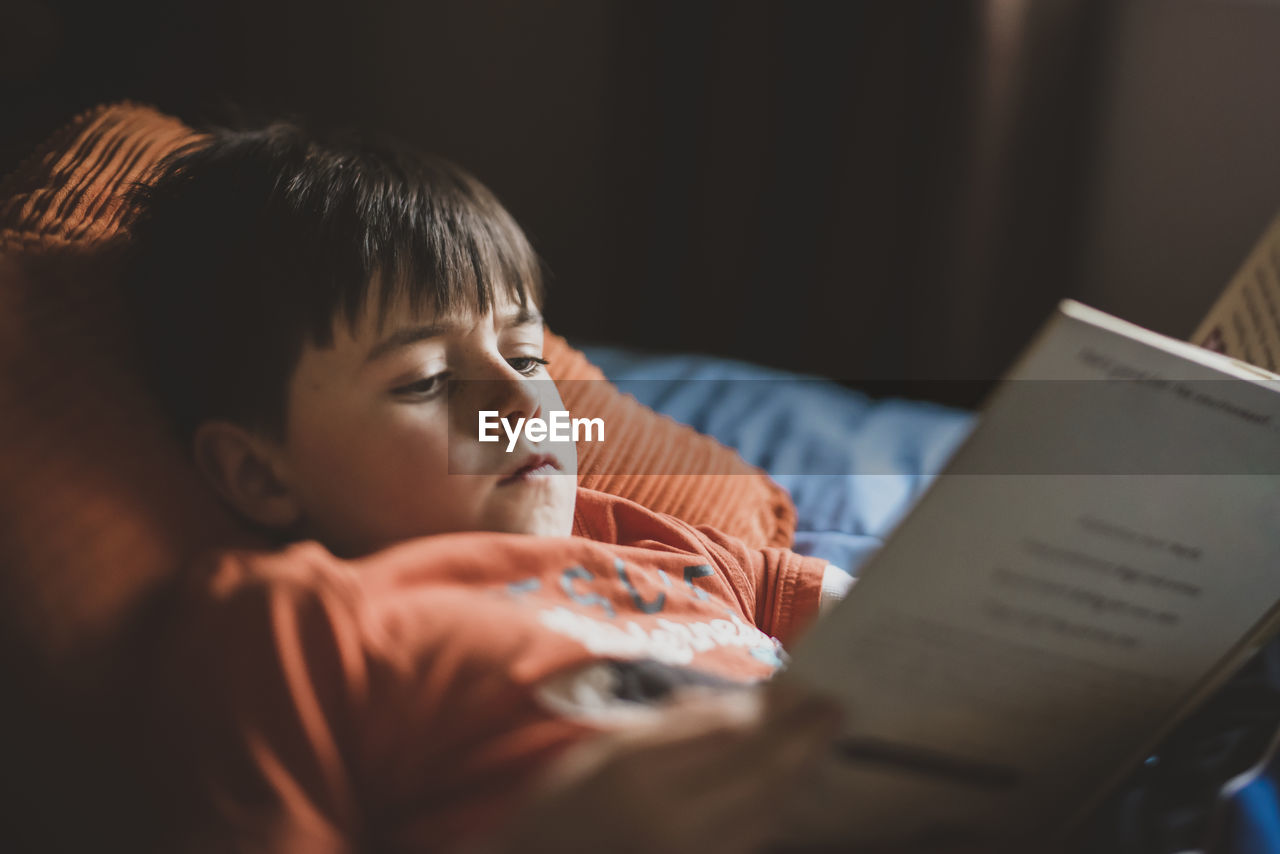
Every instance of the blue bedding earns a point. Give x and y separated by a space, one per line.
854 466
810 435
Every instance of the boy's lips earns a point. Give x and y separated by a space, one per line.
533 465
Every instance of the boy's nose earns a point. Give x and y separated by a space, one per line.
511 395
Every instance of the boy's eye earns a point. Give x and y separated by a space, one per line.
427 387
527 365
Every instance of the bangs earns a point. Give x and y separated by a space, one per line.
419 231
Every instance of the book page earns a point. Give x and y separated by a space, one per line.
1089 564
1245 321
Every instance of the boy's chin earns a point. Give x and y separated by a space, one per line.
543 510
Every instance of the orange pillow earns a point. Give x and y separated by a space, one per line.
99 505
643 449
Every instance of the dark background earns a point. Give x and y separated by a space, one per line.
874 191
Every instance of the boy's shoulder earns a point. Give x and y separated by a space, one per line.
228 588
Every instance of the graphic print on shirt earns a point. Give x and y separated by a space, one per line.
607 626
621 692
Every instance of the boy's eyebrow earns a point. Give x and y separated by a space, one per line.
413 334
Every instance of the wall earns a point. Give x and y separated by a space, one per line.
1188 157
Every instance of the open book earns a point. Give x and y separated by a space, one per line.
1096 559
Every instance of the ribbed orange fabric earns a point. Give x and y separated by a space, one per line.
664 465
98 503
71 189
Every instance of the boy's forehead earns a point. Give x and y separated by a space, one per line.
379 319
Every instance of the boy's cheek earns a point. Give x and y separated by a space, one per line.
466 454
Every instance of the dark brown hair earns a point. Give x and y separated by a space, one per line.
250 244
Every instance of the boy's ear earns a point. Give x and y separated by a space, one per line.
245 471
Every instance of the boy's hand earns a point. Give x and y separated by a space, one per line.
707 774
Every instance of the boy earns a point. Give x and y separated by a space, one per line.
435 662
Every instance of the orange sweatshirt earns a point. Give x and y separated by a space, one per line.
402 701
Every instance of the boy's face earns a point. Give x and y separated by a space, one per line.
382 441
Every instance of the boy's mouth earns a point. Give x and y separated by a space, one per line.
535 466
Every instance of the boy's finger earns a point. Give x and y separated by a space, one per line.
711 743
753 770
784 696
806 725
743 795
751 743
695 730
